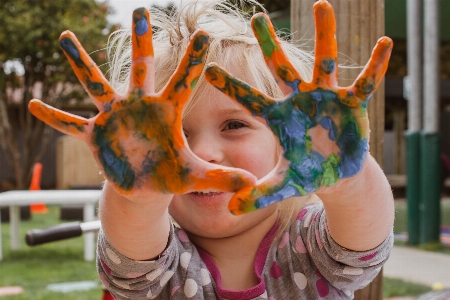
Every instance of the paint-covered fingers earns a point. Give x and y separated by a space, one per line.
185 77
205 176
224 179
255 101
69 124
87 71
271 189
284 73
372 74
142 64
325 62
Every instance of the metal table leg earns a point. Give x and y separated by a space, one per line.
89 243
14 219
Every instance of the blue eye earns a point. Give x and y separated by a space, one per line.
234 124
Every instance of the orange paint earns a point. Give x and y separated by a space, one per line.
87 72
142 44
139 74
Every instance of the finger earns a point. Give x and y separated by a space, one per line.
185 77
285 74
87 72
69 124
270 189
371 76
255 101
142 64
207 176
325 62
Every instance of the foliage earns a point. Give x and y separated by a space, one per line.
29 32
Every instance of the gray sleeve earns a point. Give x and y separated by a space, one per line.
345 269
131 279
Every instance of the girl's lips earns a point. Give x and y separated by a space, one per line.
210 198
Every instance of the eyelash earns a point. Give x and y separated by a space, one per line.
234 123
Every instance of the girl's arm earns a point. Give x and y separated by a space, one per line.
360 209
138 229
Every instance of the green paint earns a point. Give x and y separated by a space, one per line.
268 45
300 189
73 124
194 82
95 88
330 176
308 142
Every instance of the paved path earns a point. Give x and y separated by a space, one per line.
418 266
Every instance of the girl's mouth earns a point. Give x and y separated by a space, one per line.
205 193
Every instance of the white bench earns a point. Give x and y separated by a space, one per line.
14 199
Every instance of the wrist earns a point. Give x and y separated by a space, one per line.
354 183
137 228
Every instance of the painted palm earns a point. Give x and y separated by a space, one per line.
323 128
137 138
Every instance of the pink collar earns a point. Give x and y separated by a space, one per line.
260 260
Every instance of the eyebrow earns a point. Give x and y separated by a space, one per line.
231 111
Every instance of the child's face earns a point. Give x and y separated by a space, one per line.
220 131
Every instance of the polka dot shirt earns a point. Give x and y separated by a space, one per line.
305 263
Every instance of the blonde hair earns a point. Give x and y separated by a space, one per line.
232 45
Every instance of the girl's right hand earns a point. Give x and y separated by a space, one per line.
137 138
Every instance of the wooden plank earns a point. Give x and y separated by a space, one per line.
360 23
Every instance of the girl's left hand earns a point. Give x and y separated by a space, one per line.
322 127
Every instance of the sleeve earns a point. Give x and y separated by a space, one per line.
126 278
344 269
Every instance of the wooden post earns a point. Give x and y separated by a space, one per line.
360 23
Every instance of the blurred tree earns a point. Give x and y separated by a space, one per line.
32 65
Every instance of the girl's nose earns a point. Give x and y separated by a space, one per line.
206 148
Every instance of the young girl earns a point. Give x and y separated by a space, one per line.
167 231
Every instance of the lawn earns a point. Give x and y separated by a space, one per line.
393 287
33 268
401 225
401 215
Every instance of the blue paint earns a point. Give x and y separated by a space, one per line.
139 18
107 106
148 164
70 48
328 65
116 169
285 192
293 85
72 51
327 123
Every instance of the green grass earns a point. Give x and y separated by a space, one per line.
401 225
401 215
33 268
399 288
